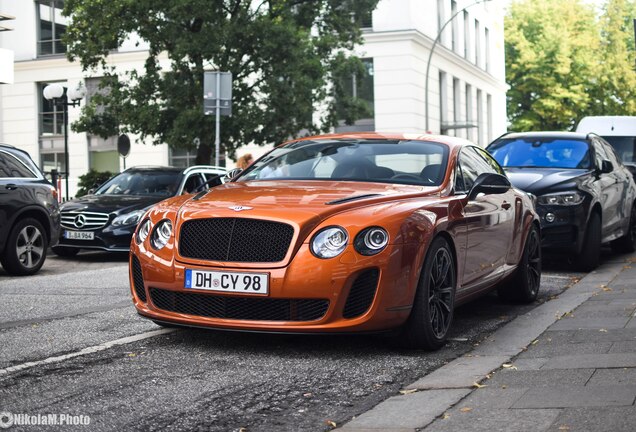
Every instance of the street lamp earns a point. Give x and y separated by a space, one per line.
430 54
61 96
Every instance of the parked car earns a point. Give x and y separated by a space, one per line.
585 195
106 219
29 213
619 131
341 233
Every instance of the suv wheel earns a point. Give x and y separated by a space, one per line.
627 243
25 250
590 255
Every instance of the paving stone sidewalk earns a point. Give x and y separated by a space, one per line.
569 365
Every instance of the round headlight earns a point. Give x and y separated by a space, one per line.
161 234
142 231
329 242
371 241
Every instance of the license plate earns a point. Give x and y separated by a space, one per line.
245 283
79 235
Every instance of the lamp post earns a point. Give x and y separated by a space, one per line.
61 96
430 54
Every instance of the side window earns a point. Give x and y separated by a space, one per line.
494 165
613 157
12 167
193 181
460 187
600 154
470 166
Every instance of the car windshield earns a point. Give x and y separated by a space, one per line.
625 146
371 160
541 153
158 183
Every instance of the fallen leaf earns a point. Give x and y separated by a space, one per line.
331 423
408 391
308 395
564 427
466 409
504 386
603 330
607 289
445 416
132 355
534 342
509 366
243 430
477 385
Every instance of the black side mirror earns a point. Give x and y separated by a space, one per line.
489 183
232 174
606 167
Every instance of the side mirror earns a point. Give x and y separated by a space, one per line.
489 183
231 174
606 167
91 191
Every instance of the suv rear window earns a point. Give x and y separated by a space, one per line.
12 167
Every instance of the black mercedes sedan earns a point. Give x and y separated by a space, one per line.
585 196
107 218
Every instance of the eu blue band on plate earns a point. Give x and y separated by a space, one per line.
188 278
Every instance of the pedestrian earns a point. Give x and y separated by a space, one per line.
244 161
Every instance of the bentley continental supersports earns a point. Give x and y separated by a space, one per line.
341 233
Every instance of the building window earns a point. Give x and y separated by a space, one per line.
480 118
469 112
366 19
489 114
477 44
457 114
51 118
443 101
357 88
455 27
51 27
466 35
487 44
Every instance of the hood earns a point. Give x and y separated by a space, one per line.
540 180
111 203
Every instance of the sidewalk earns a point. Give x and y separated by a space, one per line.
568 365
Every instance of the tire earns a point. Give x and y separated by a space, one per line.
65 252
25 250
433 307
524 285
590 255
627 243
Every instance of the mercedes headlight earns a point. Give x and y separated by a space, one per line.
329 242
142 231
161 234
128 219
371 241
566 198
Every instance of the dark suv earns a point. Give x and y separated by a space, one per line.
107 218
29 213
585 195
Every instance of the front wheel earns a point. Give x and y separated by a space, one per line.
590 255
627 243
524 285
433 307
25 250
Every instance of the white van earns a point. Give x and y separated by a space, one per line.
619 131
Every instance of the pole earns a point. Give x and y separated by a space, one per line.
217 138
430 55
65 113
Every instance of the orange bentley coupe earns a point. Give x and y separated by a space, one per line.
341 233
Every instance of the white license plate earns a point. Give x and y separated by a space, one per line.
245 283
79 235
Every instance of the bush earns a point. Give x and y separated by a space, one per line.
91 180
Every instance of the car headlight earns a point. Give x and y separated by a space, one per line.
566 198
329 242
161 234
142 231
371 241
129 218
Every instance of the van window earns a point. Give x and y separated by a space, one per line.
625 146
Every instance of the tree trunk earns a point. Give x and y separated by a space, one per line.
204 154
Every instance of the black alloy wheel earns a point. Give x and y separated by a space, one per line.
627 243
25 251
524 285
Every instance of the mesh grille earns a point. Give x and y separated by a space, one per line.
138 279
256 309
235 240
361 294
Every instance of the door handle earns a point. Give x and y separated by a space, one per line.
11 186
506 205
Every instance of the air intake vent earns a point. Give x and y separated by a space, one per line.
138 279
362 293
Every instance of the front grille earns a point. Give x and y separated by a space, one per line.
138 279
361 294
235 240
82 220
239 308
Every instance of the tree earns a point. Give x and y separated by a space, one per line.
550 62
280 52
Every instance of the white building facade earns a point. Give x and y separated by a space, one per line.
466 81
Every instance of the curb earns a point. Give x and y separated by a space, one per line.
432 395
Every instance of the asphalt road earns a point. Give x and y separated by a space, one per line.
195 379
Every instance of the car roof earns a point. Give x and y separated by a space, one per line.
545 134
150 168
444 139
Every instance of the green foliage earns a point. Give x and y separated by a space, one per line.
90 179
564 62
281 54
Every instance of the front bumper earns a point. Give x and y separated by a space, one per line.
108 239
349 293
566 232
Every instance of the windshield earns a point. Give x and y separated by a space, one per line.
157 183
385 161
541 153
625 146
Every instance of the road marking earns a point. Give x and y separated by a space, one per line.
86 351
